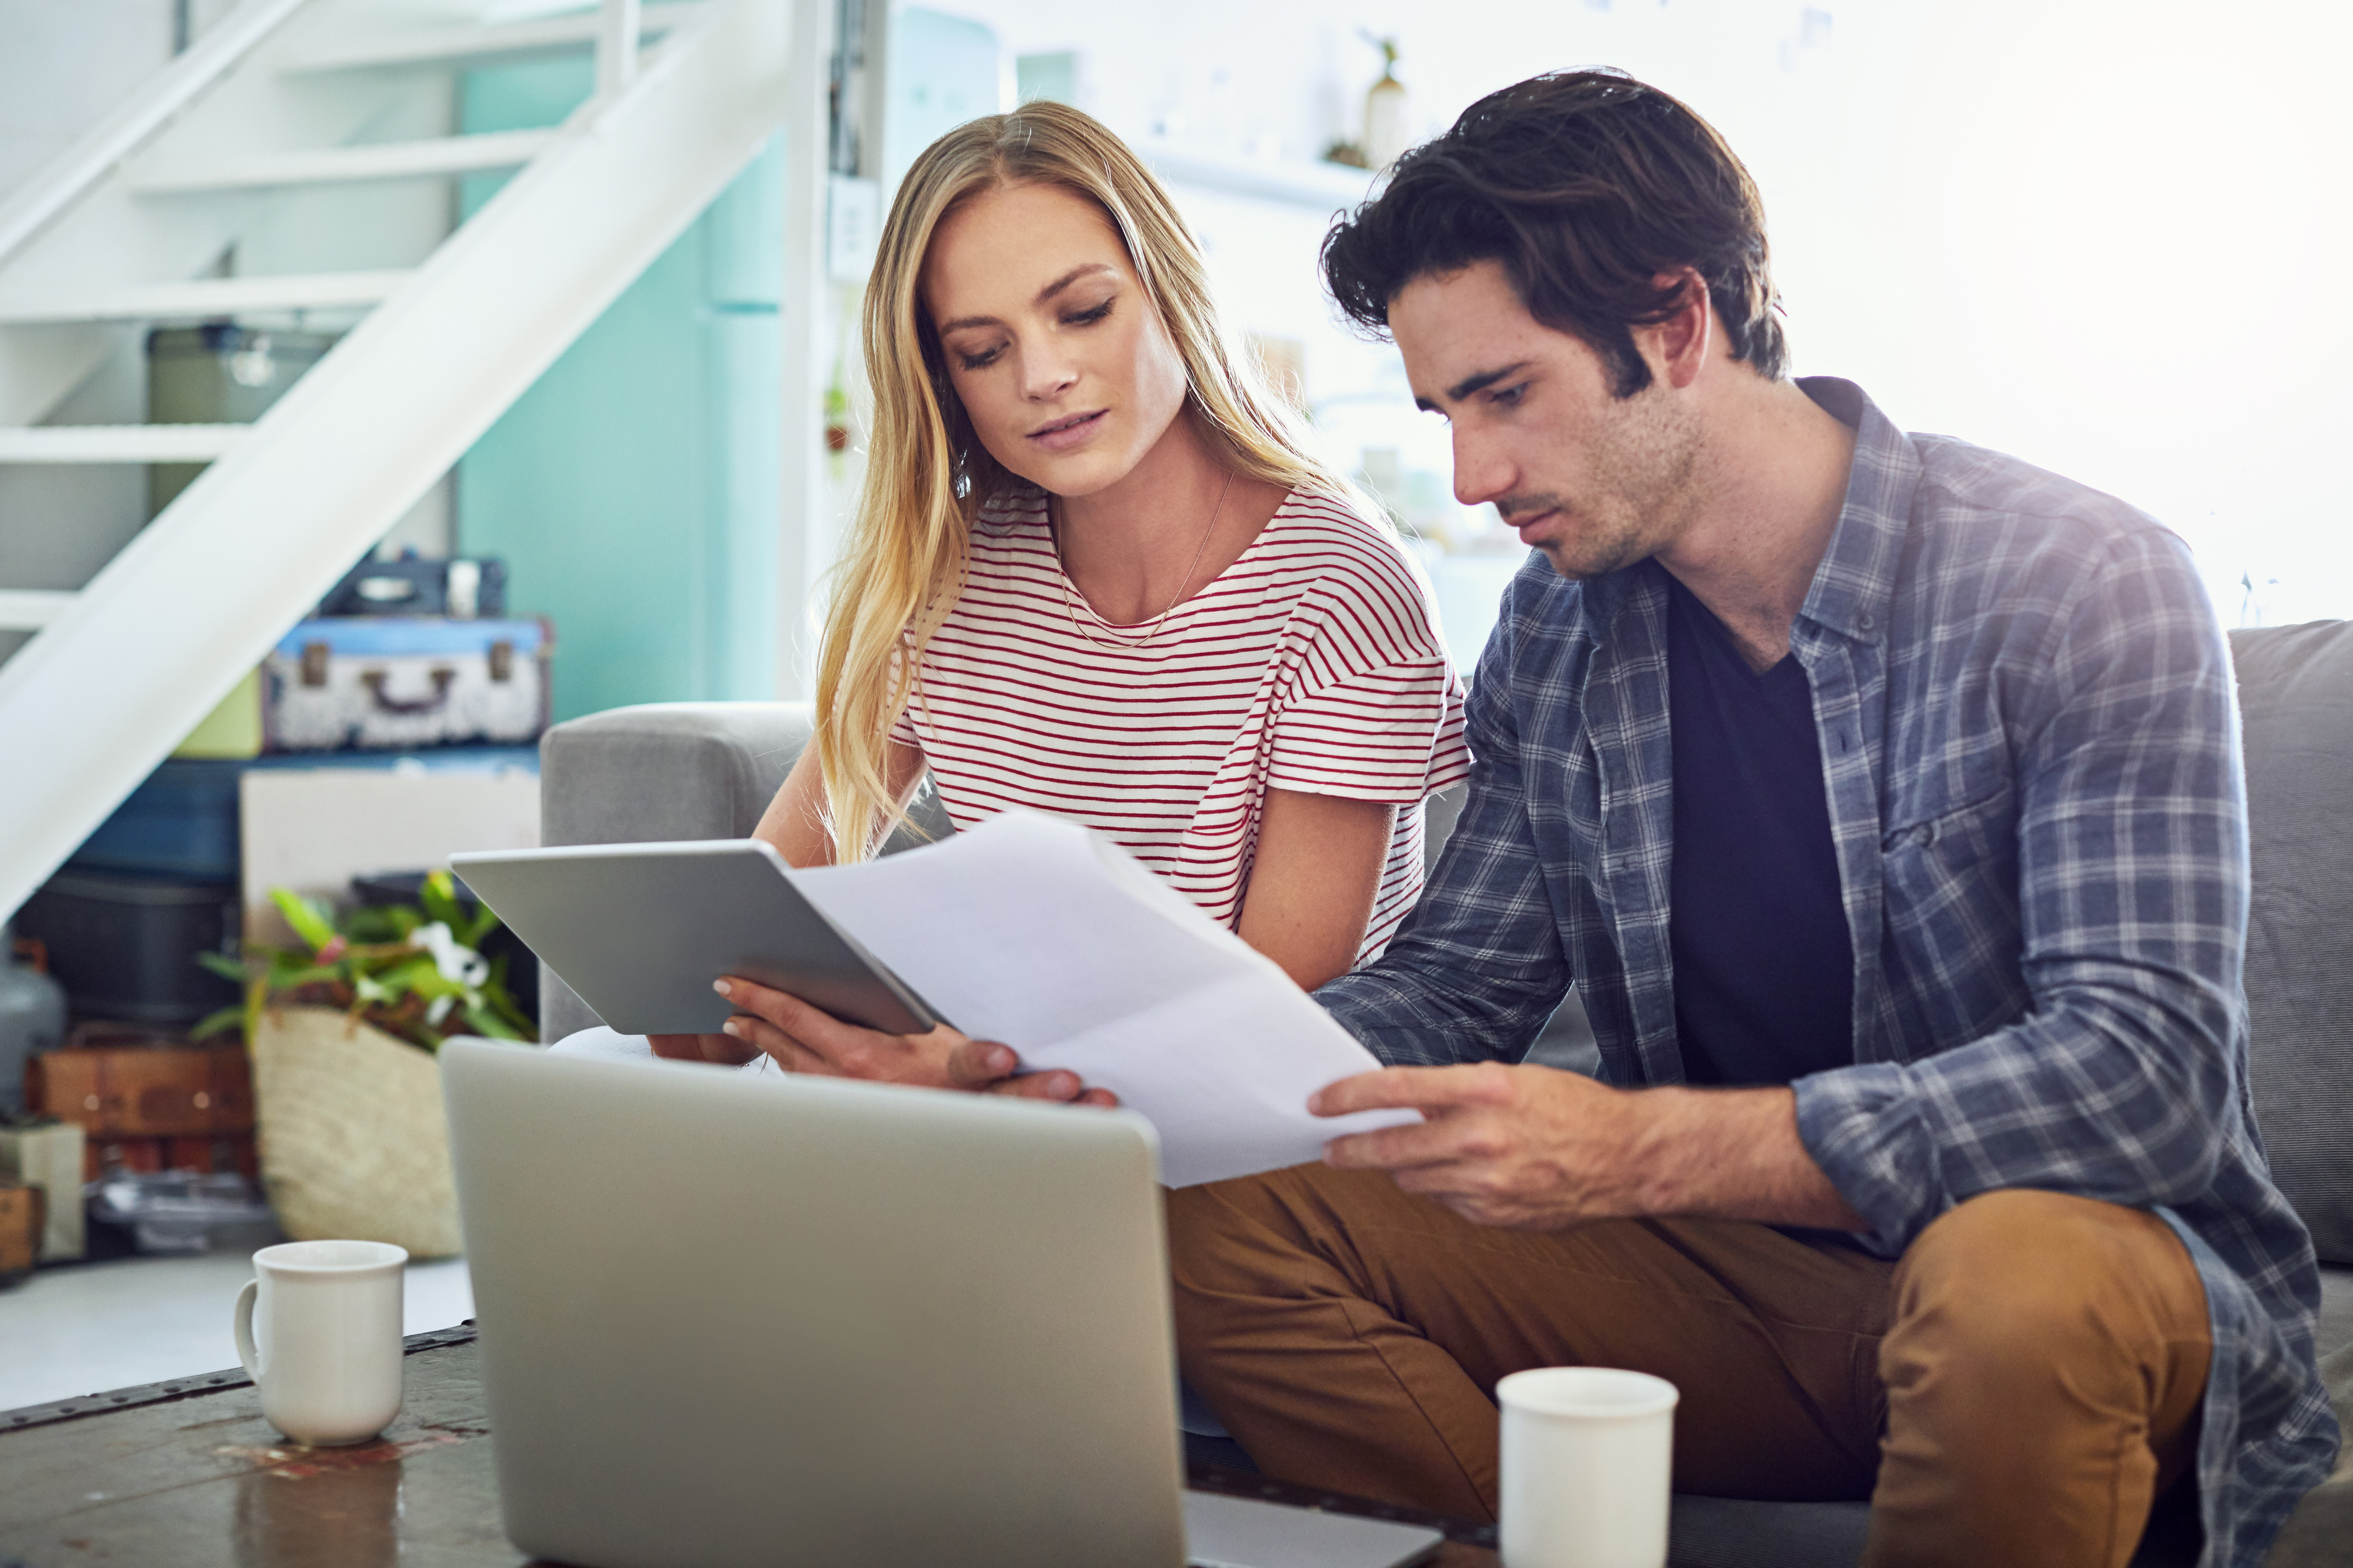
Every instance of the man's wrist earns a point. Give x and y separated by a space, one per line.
1729 1155
1671 1130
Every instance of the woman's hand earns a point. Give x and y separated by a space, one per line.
801 1038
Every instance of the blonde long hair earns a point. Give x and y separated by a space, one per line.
927 475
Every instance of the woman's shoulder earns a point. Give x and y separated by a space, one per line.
1339 544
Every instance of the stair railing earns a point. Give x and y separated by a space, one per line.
165 628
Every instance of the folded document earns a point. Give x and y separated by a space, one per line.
1033 931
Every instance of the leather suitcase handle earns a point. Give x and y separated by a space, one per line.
443 676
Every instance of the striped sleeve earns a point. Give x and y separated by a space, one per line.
1374 710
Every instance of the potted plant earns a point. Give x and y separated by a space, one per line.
342 1032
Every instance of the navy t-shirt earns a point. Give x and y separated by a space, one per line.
1763 969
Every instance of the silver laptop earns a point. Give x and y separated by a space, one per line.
737 1320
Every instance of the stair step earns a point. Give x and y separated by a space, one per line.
381 161
29 610
206 298
118 443
439 46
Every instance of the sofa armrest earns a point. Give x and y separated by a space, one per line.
666 770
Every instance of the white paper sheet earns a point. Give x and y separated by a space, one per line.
1033 931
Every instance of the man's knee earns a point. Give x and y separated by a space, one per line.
1211 1232
1246 1234
1238 1250
1241 1249
2034 1279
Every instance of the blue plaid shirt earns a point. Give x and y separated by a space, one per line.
2029 737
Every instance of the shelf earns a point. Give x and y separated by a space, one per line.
1328 186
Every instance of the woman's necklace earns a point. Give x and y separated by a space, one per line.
1071 597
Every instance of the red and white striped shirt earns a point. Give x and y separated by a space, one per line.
1312 663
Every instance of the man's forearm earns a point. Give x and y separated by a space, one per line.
1539 1148
1729 1155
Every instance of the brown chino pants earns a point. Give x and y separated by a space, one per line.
2018 1389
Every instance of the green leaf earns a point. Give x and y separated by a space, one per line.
477 930
310 919
285 963
433 982
214 1023
505 1006
381 959
375 924
440 897
415 973
257 993
489 1023
224 966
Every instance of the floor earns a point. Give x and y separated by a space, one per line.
85 1328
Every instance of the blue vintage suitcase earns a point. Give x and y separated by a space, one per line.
183 821
388 682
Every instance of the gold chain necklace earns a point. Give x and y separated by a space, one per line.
1071 597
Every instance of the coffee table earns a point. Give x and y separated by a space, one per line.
187 1473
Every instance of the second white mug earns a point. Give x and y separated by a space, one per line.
328 1360
1588 1456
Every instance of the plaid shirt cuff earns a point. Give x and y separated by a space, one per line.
1865 1127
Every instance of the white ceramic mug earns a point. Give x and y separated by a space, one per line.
329 1360
1587 1452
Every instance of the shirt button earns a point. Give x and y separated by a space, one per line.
1865 621
1923 835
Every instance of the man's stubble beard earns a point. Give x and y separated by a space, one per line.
1644 489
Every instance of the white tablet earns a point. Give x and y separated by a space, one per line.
640 930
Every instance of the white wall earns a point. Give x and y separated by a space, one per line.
63 65
2103 235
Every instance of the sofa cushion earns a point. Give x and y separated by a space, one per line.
2319 1534
2296 692
2336 1328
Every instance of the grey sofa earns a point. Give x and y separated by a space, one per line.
707 770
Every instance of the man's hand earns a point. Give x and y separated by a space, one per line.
802 1038
1537 1148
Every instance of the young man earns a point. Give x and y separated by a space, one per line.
1880 793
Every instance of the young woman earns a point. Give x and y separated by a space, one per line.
1093 571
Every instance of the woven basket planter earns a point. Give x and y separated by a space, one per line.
354 1143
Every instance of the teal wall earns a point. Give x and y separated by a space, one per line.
633 491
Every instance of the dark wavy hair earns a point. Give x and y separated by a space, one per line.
1586 186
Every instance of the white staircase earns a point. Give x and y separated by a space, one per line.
132 225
